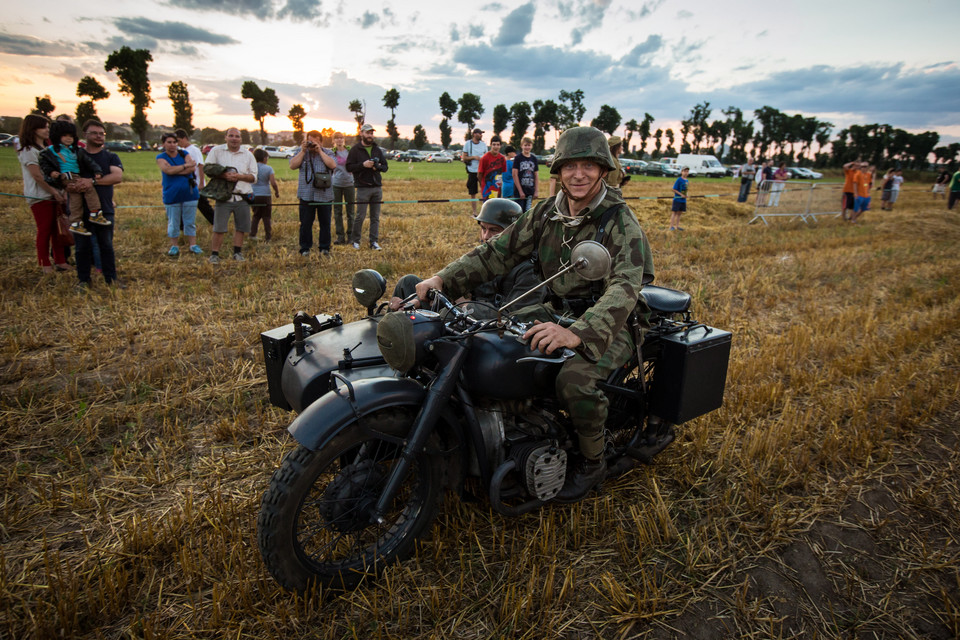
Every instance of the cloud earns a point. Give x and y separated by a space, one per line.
116 42
643 50
683 14
476 31
590 16
454 34
889 94
649 7
31 46
256 8
368 20
303 11
178 31
516 26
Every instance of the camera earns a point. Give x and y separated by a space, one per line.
192 179
311 145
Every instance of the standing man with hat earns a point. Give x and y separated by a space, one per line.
616 178
602 334
473 150
366 162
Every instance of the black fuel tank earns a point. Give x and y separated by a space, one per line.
491 369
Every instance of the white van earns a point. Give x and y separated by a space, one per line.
701 165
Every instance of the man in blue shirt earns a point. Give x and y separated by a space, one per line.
679 199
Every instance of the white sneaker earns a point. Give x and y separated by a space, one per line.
356 245
376 246
239 257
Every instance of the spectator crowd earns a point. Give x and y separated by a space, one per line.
68 179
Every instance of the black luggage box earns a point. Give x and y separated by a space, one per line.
691 373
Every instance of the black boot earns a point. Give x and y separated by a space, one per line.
584 477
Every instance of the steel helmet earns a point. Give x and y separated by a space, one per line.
582 143
502 212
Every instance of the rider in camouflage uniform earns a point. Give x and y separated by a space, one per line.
600 335
496 215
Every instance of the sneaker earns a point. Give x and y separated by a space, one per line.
81 230
356 245
324 253
117 284
339 240
239 257
214 259
305 254
98 218
174 251
195 248
376 246
83 287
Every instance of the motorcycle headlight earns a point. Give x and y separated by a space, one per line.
396 342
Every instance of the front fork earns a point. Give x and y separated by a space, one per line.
451 355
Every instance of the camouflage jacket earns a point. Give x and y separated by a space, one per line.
624 238
217 188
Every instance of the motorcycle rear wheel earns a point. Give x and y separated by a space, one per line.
314 525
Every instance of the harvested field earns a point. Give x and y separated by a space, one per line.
820 501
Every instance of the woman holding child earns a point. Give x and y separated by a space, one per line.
42 197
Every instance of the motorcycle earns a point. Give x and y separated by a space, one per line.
426 399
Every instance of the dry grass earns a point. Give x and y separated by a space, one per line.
821 500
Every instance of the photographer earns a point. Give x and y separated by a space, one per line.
314 185
366 162
180 194
473 150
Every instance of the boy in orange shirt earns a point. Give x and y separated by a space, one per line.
863 182
848 196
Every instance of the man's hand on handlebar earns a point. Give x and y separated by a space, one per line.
424 287
549 336
404 303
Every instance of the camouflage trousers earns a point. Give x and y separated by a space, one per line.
577 382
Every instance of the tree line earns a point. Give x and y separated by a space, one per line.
769 133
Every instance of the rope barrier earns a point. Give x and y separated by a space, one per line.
456 200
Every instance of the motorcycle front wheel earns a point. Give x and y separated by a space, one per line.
315 523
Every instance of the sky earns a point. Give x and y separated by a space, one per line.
847 62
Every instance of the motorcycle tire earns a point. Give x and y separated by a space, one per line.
314 526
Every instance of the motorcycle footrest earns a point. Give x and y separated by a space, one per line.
645 452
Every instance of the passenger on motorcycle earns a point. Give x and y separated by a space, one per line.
584 210
496 215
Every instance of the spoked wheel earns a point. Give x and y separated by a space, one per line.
315 522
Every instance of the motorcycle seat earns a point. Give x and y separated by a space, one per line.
665 300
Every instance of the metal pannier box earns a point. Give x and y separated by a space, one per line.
691 373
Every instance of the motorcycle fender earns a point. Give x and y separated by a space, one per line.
335 410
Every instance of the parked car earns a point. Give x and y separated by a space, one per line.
633 167
121 146
660 169
440 157
278 152
9 140
409 156
803 173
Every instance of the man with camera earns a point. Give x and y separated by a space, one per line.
241 173
473 150
314 186
366 162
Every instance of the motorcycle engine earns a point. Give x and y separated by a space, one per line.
543 466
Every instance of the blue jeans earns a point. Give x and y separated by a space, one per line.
99 246
308 212
185 212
